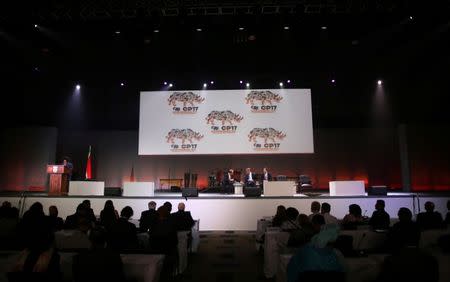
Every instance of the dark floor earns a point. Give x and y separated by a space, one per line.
225 256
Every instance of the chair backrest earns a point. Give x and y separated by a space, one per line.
281 178
304 179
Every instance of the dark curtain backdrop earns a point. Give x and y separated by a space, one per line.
371 155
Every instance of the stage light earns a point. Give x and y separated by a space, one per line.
78 87
247 84
156 30
117 31
204 85
379 82
281 84
170 85
240 82
288 81
198 29
324 27
165 82
411 17
286 27
333 81
122 84
241 28
36 26
211 82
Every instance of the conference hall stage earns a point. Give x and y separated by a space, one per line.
217 211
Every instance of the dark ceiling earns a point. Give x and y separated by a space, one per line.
100 44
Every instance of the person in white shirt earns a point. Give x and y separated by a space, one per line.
249 180
325 210
266 175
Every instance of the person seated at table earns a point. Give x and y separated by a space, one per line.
353 218
306 231
249 179
325 211
404 233
280 216
183 219
108 215
56 223
291 222
123 234
148 218
429 219
315 209
380 219
39 261
317 260
98 263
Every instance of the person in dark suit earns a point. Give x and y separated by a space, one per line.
380 218
56 223
67 162
123 234
148 218
429 219
249 180
183 219
228 181
266 175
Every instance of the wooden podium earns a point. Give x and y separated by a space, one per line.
59 179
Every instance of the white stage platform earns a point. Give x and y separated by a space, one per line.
234 212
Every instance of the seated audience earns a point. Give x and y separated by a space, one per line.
301 236
291 222
90 211
325 211
148 218
183 219
404 233
79 220
353 218
123 235
409 265
56 223
33 220
447 217
168 205
109 215
380 219
280 216
429 219
7 211
98 263
317 261
315 209
39 261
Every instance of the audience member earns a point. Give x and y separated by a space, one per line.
317 261
315 209
353 218
280 216
90 211
291 222
409 265
109 215
405 232
39 261
79 220
33 220
123 235
56 223
7 211
148 218
380 219
325 210
447 217
183 219
98 263
301 236
429 219
168 205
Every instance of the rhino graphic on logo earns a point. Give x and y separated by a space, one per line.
265 133
263 96
185 98
223 116
183 134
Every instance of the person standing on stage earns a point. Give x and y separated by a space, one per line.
228 181
266 175
68 163
249 180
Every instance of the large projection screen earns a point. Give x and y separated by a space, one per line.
202 122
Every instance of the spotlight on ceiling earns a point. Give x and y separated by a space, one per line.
198 29
170 85
78 87
122 84
286 27
333 81
241 28
281 84
165 82
211 82
379 82
288 81
247 84
205 85
36 26
117 32
324 27
411 17
156 30
240 82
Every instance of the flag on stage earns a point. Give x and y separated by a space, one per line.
89 165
